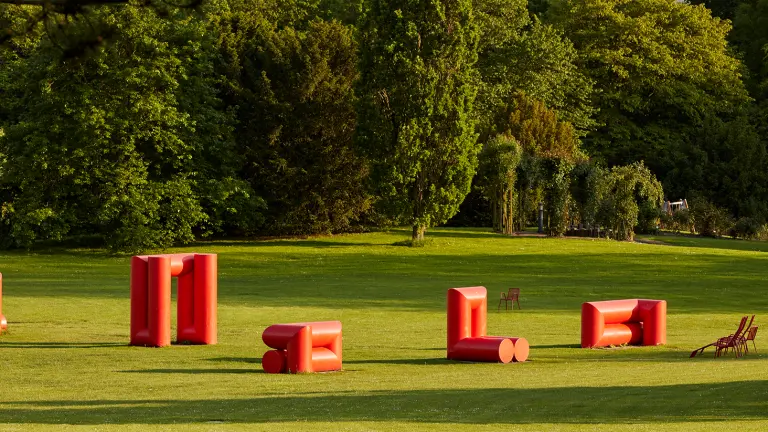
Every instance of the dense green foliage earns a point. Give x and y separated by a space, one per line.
417 89
141 127
295 107
497 176
130 141
671 94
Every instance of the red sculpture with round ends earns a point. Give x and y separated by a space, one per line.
3 322
151 276
619 322
521 349
467 310
302 347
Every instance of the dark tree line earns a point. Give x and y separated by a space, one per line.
141 125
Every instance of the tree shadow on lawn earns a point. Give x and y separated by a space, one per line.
317 243
59 345
256 360
550 282
722 401
196 371
710 243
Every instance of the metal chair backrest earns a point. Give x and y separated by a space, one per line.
741 328
751 333
746 327
513 294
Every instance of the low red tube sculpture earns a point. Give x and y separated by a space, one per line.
467 310
618 322
3 322
151 298
302 347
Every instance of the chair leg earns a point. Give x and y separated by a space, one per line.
753 344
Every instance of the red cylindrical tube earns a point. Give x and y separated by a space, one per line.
159 301
484 349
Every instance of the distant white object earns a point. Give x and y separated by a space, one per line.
672 206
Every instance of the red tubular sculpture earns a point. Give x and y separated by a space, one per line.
618 322
3 322
151 298
467 309
303 347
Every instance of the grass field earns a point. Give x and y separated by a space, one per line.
65 363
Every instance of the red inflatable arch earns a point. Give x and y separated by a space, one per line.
467 310
3 322
302 347
151 298
618 322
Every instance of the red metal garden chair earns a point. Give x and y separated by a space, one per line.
738 332
513 295
734 341
749 336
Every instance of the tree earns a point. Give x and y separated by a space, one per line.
416 91
295 98
130 143
624 191
664 69
520 54
497 177
550 149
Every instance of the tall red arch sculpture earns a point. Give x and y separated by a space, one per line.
467 311
151 298
618 322
302 347
3 322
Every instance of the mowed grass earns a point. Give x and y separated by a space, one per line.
65 363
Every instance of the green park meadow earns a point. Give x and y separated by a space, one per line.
65 362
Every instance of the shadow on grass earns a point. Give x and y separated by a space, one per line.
317 243
557 346
454 233
721 401
196 371
416 361
60 345
254 360
710 243
556 280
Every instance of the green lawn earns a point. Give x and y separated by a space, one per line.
65 363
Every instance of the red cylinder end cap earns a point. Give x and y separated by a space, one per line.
273 361
506 351
521 349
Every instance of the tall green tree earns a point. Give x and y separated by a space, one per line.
664 70
295 98
131 142
519 53
497 178
551 148
625 190
416 92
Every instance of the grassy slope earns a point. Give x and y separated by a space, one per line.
65 359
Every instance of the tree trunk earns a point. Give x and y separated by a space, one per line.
418 233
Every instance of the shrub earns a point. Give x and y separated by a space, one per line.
710 220
682 220
747 228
